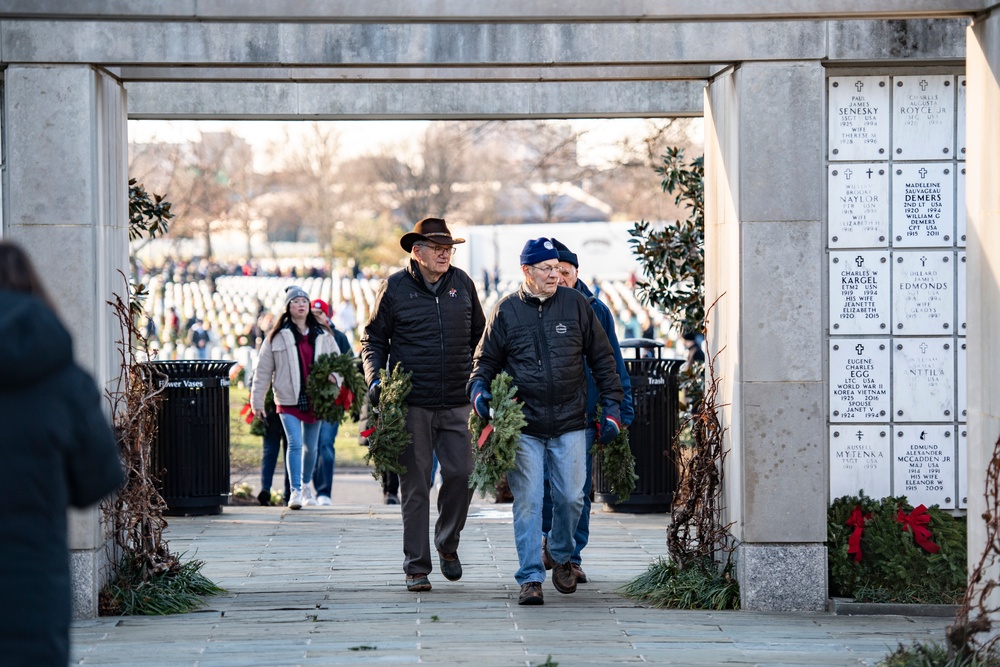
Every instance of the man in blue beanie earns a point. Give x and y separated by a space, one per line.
569 266
538 335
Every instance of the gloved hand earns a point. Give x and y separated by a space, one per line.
607 430
481 397
375 392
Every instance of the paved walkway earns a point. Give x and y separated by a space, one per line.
323 586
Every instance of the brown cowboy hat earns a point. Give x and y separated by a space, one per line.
431 230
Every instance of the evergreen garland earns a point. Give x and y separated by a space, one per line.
331 402
258 426
390 436
495 457
617 463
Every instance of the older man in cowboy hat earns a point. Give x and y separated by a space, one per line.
428 318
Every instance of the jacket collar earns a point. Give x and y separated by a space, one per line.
414 270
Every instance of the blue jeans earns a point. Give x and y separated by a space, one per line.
274 442
582 535
325 458
564 457
301 458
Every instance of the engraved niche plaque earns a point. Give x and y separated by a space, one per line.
923 292
923 117
923 458
859 380
962 461
859 460
858 209
962 375
859 117
923 200
961 280
961 224
960 117
859 292
923 379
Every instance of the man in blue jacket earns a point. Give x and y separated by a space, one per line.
569 266
539 335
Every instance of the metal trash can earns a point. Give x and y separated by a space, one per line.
191 450
657 418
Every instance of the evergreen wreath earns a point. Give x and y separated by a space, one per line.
495 452
331 402
258 426
390 436
617 463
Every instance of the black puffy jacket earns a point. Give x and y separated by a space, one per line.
542 345
432 334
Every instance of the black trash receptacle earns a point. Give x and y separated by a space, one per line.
191 451
657 418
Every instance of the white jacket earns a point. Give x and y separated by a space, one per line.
278 365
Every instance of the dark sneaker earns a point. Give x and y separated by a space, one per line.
391 499
581 576
546 558
451 567
264 497
531 593
417 582
563 578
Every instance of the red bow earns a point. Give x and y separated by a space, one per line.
857 520
916 522
345 398
484 435
249 417
367 432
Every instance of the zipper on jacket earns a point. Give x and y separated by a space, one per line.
443 365
541 343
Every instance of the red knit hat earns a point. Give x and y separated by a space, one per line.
319 304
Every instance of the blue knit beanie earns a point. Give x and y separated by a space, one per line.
538 250
564 254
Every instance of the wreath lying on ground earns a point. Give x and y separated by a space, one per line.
617 463
495 442
335 402
389 437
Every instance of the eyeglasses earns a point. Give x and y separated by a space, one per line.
545 270
439 249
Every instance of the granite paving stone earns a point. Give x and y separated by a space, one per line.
324 586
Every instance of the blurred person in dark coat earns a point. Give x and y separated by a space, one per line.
58 451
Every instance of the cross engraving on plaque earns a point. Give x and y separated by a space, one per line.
923 348
860 261
859 85
869 172
923 84
923 261
922 172
860 349
847 174
860 434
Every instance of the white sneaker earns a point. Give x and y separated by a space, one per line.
324 500
295 502
308 495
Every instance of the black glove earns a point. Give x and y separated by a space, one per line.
481 397
375 392
607 430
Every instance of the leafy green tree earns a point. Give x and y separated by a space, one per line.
673 259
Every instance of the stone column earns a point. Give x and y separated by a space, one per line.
67 204
983 265
764 251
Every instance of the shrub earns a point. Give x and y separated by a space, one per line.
893 566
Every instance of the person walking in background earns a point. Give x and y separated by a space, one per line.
428 318
327 452
274 441
539 335
569 266
58 451
199 338
286 357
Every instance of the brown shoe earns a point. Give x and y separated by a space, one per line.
581 576
531 593
546 558
563 578
451 567
417 582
